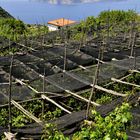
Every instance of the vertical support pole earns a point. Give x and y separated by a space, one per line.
10 93
43 36
133 45
65 47
9 44
135 61
25 38
82 37
131 34
108 31
95 78
65 57
43 104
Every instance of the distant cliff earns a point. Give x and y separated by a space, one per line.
4 14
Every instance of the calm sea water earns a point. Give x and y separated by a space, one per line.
41 11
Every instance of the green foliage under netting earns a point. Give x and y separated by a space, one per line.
52 112
111 127
35 107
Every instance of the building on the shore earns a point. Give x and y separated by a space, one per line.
59 23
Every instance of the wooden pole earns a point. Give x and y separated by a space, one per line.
43 104
110 83
132 46
22 83
82 37
108 32
95 78
10 136
92 90
65 56
130 36
135 60
26 112
82 98
34 90
43 96
110 91
134 71
65 105
52 101
17 105
55 84
10 93
123 82
26 47
25 101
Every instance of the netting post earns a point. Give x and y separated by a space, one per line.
10 92
135 61
25 38
81 39
65 57
95 78
9 43
43 104
125 35
43 36
131 35
108 31
133 45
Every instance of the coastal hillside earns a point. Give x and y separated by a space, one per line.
4 14
80 82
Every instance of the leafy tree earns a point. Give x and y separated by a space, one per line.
117 16
12 28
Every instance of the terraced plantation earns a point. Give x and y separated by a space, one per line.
80 82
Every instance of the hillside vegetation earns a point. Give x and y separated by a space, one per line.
4 14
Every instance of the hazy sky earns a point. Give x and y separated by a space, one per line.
72 1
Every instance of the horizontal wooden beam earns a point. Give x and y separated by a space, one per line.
27 113
43 96
22 83
53 102
110 91
123 82
110 83
10 136
81 98
134 71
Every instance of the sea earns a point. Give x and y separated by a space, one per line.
42 11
